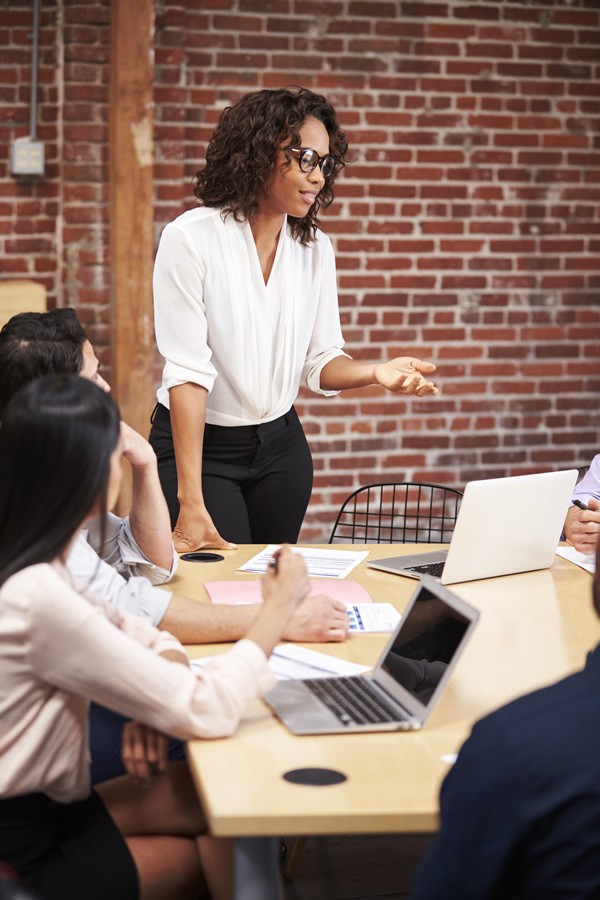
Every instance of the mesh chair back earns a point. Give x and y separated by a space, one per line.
397 513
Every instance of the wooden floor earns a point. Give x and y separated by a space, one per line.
368 867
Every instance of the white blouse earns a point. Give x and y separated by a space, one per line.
60 650
218 325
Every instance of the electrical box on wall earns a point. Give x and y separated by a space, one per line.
27 157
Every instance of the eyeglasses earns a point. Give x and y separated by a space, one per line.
308 160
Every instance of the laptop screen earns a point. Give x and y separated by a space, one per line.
428 640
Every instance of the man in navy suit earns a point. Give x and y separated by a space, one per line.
520 809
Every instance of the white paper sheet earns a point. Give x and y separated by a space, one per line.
292 661
583 560
323 563
372 617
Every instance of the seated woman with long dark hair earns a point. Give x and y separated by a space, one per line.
60 648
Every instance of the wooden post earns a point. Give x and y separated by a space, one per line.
131 213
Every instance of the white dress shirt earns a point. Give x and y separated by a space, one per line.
59 650
119 571
218 325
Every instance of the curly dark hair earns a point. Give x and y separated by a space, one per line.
242 154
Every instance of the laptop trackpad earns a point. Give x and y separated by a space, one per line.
301 711
401 563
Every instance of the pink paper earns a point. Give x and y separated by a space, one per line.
237 593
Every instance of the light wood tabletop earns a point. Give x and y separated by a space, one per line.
534 628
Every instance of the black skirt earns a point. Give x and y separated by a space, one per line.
66 851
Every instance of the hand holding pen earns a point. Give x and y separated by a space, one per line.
287 574
582 525
274 564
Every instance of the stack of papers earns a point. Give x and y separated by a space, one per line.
325 563
290 661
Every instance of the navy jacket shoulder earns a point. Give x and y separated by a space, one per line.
520 810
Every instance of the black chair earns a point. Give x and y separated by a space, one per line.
403 512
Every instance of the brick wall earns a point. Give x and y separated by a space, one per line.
467 225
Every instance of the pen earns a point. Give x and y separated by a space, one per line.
580 505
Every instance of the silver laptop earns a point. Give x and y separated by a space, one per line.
405 685
504 526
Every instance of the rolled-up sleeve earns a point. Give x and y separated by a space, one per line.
589 486
179 311
121 551
135 594
77 648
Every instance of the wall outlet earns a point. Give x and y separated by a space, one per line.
27 157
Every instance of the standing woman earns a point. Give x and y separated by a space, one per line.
246 312
134 838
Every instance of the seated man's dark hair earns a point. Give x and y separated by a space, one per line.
36 344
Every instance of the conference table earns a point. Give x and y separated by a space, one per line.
534 628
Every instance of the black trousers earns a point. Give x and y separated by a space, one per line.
256 479
67 852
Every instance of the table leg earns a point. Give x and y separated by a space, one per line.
257 871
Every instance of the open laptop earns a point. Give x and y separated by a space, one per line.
504 526
405 685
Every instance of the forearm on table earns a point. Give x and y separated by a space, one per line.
269 625
188 416
195 622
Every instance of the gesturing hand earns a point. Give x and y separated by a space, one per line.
286 583
405 375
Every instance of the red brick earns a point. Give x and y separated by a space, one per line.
513 203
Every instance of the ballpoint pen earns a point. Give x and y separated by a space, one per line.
580 504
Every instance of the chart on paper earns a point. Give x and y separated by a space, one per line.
321 563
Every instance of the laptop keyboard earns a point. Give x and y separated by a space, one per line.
434 569
352 700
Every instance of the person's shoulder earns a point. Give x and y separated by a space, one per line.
530 723
319 248
192 219
26 583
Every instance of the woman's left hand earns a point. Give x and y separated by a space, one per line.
405 375
144 751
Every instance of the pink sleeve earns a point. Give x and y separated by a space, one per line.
74 646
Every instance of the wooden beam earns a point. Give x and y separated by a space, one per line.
131 212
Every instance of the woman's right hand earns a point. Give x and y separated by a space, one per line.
284 586
286 581
195 530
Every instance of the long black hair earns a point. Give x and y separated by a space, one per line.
56 440
243 151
